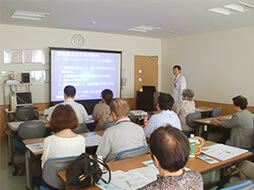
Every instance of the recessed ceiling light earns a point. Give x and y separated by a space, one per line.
136 30
29 15
222 11
246 5
92 22
236 7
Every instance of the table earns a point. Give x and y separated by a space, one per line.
204 109
28 155
193 163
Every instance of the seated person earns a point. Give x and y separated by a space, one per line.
123 135
64 142
241 124
170 152
69 95
164 116
184 108
246 170
101 112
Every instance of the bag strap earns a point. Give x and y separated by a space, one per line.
103 163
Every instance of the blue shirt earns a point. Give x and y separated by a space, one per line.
162 119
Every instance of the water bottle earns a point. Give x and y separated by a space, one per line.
192 146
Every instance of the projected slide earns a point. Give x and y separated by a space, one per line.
88 71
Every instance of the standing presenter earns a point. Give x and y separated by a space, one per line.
178 86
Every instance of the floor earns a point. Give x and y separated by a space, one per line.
10 182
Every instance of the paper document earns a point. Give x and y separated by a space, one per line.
223 152
93 140
35 148
147 171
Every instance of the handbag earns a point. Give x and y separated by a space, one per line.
85 171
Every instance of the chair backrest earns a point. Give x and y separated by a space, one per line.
81 128
26 113
142 150
32 130
107 124
51 168
190 119
244 185
217 111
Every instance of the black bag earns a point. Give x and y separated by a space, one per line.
85 171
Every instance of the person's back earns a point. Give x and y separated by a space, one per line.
124 135
165 115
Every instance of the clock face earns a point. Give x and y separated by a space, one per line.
78 40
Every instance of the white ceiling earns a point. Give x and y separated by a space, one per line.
175 17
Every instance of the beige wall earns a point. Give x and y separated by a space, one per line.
217 65
20 37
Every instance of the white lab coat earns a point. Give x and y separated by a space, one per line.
178 86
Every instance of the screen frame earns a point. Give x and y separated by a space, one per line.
83 102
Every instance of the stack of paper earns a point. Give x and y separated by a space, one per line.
223 152
35 148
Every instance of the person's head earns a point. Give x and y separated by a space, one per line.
69 92
240 102
119 108
169 148
63 117
107 96
177 70
187 94
165 102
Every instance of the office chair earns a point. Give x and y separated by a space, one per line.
190 121
26 130
244 185
81 128
26 113
217 111
139 151
50 172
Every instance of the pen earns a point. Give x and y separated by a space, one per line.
128 183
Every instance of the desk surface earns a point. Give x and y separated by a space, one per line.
193 163
207 121
204 109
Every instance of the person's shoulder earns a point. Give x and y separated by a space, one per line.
49 139
193 174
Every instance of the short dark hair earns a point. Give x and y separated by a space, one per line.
178 67
240 101
165 101
70 91
107 95
171 148
63 117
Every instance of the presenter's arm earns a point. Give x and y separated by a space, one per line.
183 84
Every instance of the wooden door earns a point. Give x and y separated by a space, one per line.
146 72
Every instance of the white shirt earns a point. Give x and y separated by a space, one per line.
160 120
57 147
78 108
183 109
124 135
178 87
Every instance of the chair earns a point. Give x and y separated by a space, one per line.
142 150
50 171
26 130
107 124
217 111
81 128
26 113
190 120
244 185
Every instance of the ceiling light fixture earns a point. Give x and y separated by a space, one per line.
136 30
222 11
246 5
235 7
29 15
144 28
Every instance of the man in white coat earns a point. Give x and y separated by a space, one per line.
179 85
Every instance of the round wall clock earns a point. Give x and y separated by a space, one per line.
77 40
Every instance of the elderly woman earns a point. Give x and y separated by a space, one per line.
170 152
64 142
186 107
101 112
